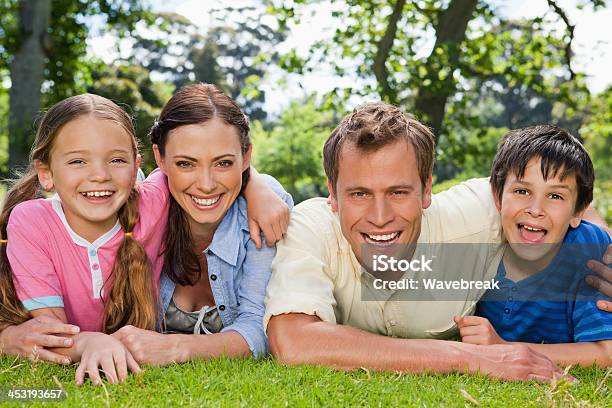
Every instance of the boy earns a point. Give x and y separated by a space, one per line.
542 181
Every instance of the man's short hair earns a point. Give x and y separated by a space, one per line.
561 154
374 125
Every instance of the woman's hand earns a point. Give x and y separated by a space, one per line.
149 347
32 338
99 350
477 330
267 212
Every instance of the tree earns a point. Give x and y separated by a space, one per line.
292 151
232 56
132 88
44 43
474 50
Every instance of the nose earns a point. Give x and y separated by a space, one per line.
206 181
380 212
535 207
99 172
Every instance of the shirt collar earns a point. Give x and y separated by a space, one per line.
76 238
227 238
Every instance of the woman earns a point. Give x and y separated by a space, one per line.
214 277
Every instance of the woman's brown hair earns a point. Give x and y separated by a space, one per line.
190 105
130 299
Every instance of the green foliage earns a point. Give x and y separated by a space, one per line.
132 87
249 382
597 135
4 108
292 151
519 68
232 56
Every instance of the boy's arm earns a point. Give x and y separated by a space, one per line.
584 354
478 330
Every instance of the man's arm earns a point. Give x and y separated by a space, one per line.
591 215
303 339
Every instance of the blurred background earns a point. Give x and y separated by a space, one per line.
470 69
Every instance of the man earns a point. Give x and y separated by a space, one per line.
379 162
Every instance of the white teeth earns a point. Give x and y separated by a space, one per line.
386 237
205 202
97 193
532 229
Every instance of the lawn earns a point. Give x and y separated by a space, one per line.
224 382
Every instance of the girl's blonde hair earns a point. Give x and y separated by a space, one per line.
130 299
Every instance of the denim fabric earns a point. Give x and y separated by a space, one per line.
238 273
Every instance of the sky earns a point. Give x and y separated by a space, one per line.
592 44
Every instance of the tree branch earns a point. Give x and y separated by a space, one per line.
382 53
570 30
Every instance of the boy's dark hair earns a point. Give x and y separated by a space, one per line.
561 154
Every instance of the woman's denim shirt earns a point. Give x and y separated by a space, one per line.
238 274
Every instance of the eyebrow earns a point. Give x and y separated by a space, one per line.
408 187
182 156
563 186
89 151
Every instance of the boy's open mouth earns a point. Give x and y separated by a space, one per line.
531 233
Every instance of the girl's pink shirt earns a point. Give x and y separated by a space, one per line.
54 267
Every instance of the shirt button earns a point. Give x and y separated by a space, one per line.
213 277
95 267
92 252
222 307
510 298
506 310
392 322
514 288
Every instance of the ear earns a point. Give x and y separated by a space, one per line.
159 160
333 200
45 178
246 158
496 199
426 200
575 220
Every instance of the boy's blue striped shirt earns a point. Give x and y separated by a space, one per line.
555 305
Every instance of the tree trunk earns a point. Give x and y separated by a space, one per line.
27 69
450 33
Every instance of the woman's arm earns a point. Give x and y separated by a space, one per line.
267 211
149 347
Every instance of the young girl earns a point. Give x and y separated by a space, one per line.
85 151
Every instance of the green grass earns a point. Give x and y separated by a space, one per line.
225 382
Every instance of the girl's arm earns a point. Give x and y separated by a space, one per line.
267 212
93 350
478 330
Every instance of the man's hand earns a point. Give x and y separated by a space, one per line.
32 338
515 363
602 282
477 330
148 347
99 350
